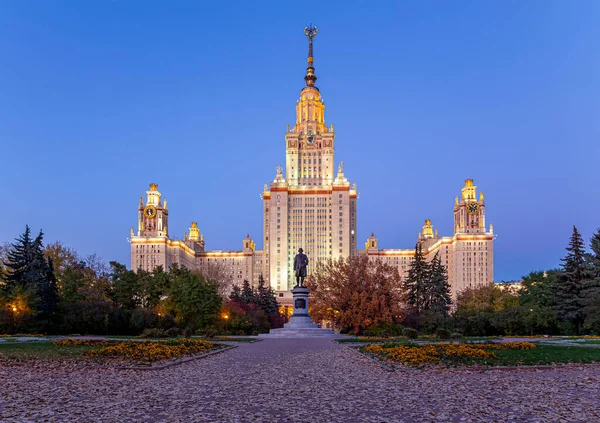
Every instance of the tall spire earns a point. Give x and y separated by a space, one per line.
310 78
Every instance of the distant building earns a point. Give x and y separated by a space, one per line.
311 204
468 254
512 286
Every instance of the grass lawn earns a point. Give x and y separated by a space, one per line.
350 340
40 351
546 354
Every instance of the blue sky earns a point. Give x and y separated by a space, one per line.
100 98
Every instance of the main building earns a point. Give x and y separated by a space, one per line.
312 205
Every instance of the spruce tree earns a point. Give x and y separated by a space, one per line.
248 295
591 289
19 258
571 281
266 298
438 290
29 271
236 293
416 283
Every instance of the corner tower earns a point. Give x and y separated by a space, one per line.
153 217
308 205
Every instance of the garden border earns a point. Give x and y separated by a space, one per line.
402 367
163 366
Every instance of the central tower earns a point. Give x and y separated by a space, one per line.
312 206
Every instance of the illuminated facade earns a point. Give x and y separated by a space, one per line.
311 204
152 247
468 254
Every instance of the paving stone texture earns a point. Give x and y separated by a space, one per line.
296 380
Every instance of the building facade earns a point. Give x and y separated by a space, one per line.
468 254
311 205
151 246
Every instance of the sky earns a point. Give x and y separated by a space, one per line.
100 98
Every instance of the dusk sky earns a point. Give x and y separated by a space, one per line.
100 98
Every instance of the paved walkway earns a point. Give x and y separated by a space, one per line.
278 380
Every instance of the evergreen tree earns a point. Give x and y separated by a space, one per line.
248 294
19 258
236 293
29 270
571 280
416 283
438 290
266 298
592 286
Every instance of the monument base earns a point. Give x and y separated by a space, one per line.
289 333
300 325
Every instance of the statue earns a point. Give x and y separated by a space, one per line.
279 170
341 167
300 263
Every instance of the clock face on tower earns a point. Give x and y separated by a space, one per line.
472 208
150 212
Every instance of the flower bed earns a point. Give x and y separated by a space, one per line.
151 351
430 353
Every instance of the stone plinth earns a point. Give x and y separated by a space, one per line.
300 325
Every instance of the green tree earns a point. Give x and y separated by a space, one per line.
192 300
438 292
417 281
248 294
126 285
28 269
268 303
592 286
539 289
436 296
571 282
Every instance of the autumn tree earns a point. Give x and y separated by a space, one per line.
355 293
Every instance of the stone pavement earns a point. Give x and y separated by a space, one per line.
296 380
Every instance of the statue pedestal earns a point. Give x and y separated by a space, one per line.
300 325
300 317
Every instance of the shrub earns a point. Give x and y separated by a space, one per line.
173 332
188 332
443 333
153 333
208 332
410 333
141 319
385 330
456 335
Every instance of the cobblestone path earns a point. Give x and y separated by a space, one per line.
280 380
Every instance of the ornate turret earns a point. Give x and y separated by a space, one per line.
309 142
153 216
469 214
371 243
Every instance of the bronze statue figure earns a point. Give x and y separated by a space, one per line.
300 263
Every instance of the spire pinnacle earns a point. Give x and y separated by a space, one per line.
310 78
